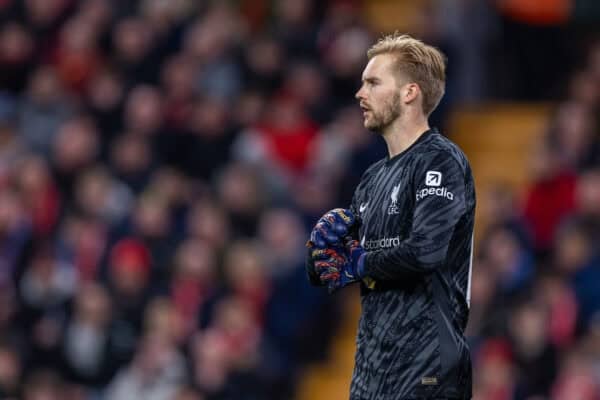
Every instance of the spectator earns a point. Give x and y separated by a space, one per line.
536 358
131 160
76 56
194 283
188 393
160 162
241 193
156 372
104 97
208 221
203 146
16 231
576 379
508 259
45 288
39 194
16 56
87 347
246 277
144 111
100 196
43 385
587 197
133 41
83 241
578 260
554 187
210 42
43 110
574 137
10 372
129 280
75 147
495 380
151 222
178 82
225 355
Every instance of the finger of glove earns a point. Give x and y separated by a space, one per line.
320 254
329 274
324 266
323 236
337 222
317 237
343 216
325 254
323 233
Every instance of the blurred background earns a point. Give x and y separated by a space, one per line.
161 162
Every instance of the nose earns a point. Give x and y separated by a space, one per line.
359 94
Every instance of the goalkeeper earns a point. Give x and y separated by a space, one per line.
406 238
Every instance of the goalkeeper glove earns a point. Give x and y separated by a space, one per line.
339 267
331 228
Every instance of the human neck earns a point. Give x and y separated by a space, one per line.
402 133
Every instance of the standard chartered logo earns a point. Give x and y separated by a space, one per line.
383 243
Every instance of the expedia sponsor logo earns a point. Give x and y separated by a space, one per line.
440 192
383 243
433 178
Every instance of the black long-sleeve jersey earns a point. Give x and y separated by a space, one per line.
416 213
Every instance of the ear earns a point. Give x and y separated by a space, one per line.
410 92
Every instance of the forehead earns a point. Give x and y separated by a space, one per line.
379 66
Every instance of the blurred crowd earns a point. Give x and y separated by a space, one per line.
161 162
535 316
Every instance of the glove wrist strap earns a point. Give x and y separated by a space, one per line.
360 265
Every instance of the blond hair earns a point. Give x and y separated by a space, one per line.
423 64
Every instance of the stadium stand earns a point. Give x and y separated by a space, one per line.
161 163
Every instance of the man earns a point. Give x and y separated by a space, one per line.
407 237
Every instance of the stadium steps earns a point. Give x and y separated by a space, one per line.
391 15
498 139
331 380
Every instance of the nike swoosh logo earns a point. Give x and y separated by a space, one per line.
363 207
348 275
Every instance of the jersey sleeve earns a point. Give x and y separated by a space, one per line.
438 187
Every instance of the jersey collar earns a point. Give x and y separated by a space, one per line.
420 139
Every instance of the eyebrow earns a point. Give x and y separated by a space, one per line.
370 79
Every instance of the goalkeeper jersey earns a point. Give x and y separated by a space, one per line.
416 214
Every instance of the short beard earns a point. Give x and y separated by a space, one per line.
391 110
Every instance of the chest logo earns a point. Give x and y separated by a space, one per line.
393 208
